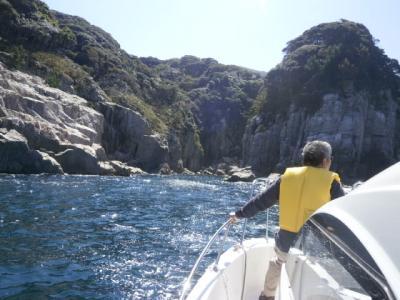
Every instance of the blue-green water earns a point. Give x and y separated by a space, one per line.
90 237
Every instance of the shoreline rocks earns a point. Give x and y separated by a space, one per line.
241 174
18 158
117 168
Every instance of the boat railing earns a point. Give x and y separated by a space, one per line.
226 226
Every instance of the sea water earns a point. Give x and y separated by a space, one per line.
91 237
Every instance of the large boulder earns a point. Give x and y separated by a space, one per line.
241 174
118 168
17 157
78 161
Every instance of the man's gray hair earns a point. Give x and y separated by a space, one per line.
314 153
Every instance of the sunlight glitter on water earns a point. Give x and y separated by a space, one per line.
109 238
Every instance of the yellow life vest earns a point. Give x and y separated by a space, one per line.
302 191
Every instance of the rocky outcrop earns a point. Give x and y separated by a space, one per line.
78 161
47 117
241 174
64 126
362 136
190 110
128 137
117 168
334 83
51 121
17 157
221 96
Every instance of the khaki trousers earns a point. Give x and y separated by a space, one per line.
274 272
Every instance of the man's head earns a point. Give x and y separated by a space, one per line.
317 154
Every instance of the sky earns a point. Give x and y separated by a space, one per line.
247 33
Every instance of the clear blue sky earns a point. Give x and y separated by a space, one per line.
248 33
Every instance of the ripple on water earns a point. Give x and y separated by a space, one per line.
109 238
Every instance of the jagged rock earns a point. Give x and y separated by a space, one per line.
123 169
234 168
188 172
179 167
106 168
48 164
17 157
118 168
207 172
220 172
223 125
47 117
99 152
244 174
78 161
165 169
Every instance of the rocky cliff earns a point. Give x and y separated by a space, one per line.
153 112
220 98
71 98
333 84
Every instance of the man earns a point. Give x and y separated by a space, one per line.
300 191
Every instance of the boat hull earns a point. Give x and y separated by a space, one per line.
226 280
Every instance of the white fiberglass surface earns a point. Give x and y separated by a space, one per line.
227 281
373 217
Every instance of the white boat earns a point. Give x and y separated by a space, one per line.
348 249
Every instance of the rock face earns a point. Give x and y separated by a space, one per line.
192 113
220 95
17 157
241 174
187 110
78 161
118 168
333 84
47 119
128 137
362 136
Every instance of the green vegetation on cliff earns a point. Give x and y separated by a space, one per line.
199 105
328 58
191 98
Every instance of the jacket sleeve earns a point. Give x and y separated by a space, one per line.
336 190
261 201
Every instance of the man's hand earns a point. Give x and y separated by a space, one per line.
232 218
